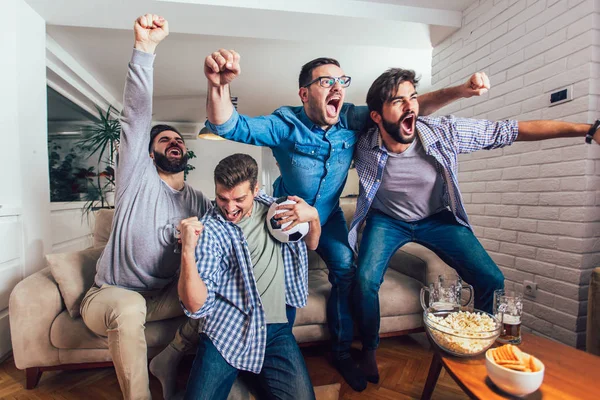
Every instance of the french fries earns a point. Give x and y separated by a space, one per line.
509 356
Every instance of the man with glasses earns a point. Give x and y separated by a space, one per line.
313 145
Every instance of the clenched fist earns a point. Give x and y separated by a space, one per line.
222 67
149 30
478 84
190 229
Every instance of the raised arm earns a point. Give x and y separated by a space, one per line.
220 68
539 130
192 290
477 85
136 116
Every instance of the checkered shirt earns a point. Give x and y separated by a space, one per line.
233 316
444 138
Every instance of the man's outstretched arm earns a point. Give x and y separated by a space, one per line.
477 85
545 129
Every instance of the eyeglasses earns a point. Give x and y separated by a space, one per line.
329 81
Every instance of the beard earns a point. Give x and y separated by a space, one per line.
172 166
395 131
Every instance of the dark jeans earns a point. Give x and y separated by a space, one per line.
455 244
283 376
337 254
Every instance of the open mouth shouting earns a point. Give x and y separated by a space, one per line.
232 216
407 122
174 152
333 105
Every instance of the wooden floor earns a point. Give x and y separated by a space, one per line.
403 365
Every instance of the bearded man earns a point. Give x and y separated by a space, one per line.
408 171
136 275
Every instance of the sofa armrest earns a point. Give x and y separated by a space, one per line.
34 304
419 263
593 314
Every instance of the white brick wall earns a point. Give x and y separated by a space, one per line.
535 206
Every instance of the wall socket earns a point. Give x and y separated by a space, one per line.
560 96
529 288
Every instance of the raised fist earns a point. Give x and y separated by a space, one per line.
222 67
478 84
149 30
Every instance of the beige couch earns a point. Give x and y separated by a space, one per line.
48 332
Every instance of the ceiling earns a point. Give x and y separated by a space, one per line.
274 38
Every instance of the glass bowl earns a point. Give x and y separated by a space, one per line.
461 342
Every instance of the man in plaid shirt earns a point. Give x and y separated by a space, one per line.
408 168
244 284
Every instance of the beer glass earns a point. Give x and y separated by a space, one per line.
508 308
172 235
445 294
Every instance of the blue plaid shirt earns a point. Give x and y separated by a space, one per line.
444 138
234 318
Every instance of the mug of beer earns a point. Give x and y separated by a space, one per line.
445 294
508 307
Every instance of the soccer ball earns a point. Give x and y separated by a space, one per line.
294 234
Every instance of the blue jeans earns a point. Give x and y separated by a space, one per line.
455 244
338 256
283 375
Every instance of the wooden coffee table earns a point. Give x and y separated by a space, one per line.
569 374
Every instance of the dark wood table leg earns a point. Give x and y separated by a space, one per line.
432 376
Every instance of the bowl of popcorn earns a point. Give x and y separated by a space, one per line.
514 371
462 333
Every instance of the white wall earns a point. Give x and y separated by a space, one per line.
534 205
24 200
31 59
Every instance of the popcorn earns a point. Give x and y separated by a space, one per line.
463 332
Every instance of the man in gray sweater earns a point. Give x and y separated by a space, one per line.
136 275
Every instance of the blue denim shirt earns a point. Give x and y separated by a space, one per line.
313 163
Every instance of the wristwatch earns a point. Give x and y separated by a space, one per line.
590 135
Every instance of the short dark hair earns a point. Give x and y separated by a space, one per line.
235 169
307 69
385 86
157 129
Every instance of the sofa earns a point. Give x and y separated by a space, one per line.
49 334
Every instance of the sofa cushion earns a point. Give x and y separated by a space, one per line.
74 273
398 295
315 261
69 333
103 221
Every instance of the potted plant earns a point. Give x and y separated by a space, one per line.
68 180
102 138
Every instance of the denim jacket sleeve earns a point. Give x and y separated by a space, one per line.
266 130
211 267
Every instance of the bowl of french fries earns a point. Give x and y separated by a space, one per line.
462 333
514 371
